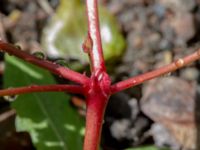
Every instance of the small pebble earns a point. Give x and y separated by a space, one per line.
190 74
184 26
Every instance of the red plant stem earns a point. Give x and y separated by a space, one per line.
179 63
96 53
52 67
97 93
96 104
42 88
98 90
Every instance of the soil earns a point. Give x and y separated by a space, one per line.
163 112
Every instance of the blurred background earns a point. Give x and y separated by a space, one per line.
138 36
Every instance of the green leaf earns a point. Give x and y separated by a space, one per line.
65 33
48 117
150 147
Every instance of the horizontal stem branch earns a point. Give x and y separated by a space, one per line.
52 67
42 88
179 63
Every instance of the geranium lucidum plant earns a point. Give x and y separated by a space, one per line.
98 87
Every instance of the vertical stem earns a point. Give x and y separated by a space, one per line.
94 119
96 53
99 90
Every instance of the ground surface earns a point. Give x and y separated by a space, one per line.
162 112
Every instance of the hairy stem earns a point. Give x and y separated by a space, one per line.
52 67
179 63
96 53
42 88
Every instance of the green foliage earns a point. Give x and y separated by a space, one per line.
65 33
48 117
